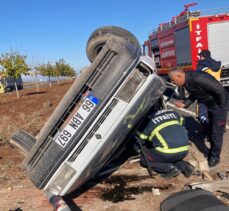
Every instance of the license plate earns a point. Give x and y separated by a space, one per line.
77 120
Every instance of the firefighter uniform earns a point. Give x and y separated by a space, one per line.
165 141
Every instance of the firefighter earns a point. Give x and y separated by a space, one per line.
207 90
213 67
165 143
208 64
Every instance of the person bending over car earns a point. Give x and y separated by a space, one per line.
205 89
165 143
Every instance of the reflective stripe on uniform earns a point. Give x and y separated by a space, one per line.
181 120
165 148
155 132
175 150
162 141
141 135
158 128
216 74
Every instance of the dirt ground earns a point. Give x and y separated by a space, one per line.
128 189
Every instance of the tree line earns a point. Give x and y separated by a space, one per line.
13 64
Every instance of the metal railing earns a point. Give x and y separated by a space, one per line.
217 11
184 17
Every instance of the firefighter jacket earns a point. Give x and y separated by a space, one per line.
204 88
163 131
210 66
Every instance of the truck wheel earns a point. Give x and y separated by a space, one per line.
23 141
20 87
100 36
8 89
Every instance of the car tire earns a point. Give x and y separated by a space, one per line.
100 36
23 141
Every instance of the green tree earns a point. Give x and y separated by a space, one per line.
13 64
63 69
35 72
46 70
59 68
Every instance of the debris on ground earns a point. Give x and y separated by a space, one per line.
212 186
130 185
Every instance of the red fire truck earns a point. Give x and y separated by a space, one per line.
178 42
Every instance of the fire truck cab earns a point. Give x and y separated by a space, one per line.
178 42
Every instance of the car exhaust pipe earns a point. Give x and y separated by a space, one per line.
58 203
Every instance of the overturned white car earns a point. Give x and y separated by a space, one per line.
93 119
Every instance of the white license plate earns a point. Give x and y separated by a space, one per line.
77 120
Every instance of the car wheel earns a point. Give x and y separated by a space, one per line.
23 141
100 36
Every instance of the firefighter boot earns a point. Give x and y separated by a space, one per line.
172 173
213 161
188 170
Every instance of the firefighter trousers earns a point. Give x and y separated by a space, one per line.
162 162
217 121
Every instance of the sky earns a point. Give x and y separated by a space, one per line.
48 30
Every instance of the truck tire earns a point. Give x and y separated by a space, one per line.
8 89
100 36
23 141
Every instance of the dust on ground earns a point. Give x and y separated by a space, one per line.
128 189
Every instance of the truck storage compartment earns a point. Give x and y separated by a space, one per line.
183 47
218 41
